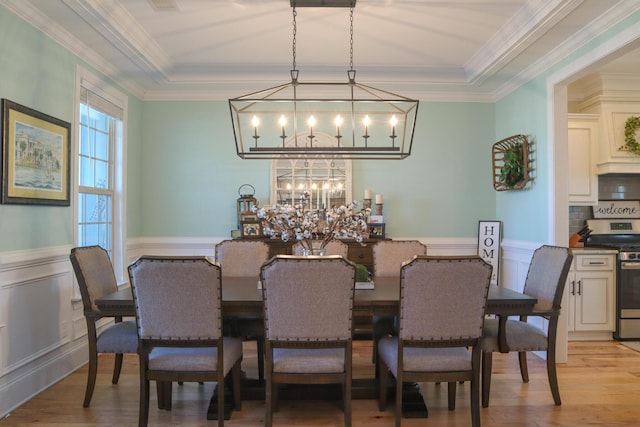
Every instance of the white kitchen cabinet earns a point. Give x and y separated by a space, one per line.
583 178
590 296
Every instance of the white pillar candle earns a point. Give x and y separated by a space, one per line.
367 194
378 199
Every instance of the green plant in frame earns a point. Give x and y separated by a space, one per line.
511 163
512 171
631 128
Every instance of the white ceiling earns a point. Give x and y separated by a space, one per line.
427 49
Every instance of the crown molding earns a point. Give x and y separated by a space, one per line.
531 22
605 22
59 35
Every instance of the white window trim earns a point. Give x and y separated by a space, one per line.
98 86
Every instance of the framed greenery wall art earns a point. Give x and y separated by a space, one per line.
511 162
35 157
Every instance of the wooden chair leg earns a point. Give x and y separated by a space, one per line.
346 396
160 394
167 395
553 377
475 400
117 368
383 378
398 401
260 348
452 395
221 393
143 418
91 377
487 362
236 374
268 404
524 371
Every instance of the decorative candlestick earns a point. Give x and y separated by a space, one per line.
255 121
366 202
378 204
312 123
283 122
338 123
394 122
367 122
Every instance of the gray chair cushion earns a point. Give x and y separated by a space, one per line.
521 336
307 360
195 358
423 359
121 337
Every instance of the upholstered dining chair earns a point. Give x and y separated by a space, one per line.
178 302
333 247
442 305
94 273
545 280
308 304
388 256
243 258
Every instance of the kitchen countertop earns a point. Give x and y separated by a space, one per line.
594 251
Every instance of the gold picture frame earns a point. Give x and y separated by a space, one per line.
35 157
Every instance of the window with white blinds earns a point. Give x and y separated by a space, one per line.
99 170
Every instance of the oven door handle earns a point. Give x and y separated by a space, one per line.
630 265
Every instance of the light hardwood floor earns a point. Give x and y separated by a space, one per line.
600 385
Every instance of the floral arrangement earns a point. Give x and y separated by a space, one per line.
304 225
630 130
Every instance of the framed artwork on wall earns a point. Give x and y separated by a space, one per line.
35 157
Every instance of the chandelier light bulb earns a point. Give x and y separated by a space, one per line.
255 121
311 121
366 121
283 121
394 120
339 120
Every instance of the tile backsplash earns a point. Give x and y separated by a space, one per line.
610 187
619 187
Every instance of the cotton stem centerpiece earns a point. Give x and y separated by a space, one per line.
297 222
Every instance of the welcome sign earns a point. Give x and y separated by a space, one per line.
617 209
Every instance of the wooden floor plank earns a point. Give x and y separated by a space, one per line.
599 386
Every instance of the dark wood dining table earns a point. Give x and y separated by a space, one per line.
241 296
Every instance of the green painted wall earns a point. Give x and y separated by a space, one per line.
525 111
38 73
183 173
191 173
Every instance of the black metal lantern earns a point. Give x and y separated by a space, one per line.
246 202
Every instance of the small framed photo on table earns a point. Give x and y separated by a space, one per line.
376 230
251 229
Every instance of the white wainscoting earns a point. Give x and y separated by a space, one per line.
42 327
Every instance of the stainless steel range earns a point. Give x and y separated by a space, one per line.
623 235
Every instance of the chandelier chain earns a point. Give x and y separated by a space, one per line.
295 29
351 38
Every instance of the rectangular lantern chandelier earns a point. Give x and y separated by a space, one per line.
326 120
